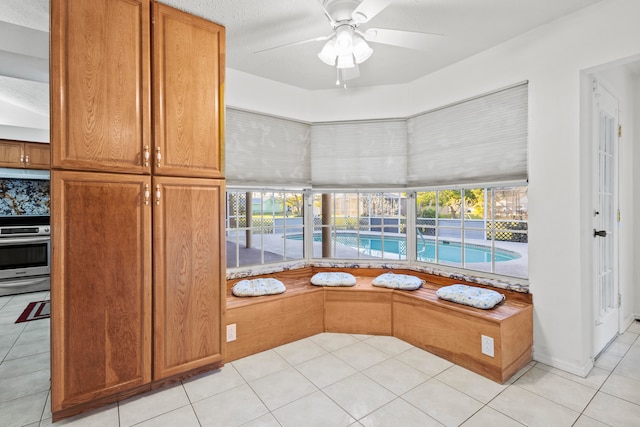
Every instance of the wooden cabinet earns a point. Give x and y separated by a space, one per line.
106 207
101 286
100 77
189 275
26 155
188 60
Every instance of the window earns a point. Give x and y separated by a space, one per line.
360 225
482 229
264 227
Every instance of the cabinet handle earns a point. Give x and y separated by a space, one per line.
158 195
146 194
158 157
26 159
146 156
21 158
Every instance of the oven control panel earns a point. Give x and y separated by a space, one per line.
32 230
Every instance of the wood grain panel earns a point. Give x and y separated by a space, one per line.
189 274
10 152
101 286
39 155
362 309
274 322
100 78
188 76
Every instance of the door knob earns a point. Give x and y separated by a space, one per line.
601 233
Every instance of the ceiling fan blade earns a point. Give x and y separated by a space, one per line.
326 13
368 9
316 39
409 39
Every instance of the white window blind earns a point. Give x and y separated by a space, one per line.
359 154
480 140
266 150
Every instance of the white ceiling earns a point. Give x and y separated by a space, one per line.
468 26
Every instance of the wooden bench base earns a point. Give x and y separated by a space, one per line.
447 329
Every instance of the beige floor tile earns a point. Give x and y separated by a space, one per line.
557 389
325 370
623 387
24 410
470 383
267 420
629 367
360 355
396 376
390 345
282 387
442 402
530 409
231 408
183 417
627 338
212 383
300 351
608 361
398 413
634 328
426 362
24 365
490 417
331 341
613 411
359 395
24 385
259 365
585 421
594 379
152 404
314 410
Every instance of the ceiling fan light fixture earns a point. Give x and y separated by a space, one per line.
344 40
329 52
346 61
361 50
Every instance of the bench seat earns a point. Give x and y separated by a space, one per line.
449 330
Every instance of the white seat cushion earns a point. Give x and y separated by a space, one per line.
398 281
333 279
258 287
471 296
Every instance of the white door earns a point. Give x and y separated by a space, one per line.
605 145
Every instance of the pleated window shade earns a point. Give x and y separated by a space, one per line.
359 154
480 140
265 150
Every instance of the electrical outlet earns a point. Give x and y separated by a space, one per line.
487 346
231 332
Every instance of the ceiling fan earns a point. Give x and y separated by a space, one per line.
346 45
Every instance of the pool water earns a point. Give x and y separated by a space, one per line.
426 251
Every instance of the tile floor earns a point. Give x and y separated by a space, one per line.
333 380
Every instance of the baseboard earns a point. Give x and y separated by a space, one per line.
581 371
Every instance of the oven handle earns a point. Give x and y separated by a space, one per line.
6 241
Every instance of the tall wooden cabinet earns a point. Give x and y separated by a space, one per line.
138 268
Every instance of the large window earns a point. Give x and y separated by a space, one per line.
360 225
264 227
482 229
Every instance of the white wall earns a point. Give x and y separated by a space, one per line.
551 58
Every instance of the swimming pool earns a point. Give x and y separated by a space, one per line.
448 251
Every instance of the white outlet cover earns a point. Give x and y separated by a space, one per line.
487 346
231 332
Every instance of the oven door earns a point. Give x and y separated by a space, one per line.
24 256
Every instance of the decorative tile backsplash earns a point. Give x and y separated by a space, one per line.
24 196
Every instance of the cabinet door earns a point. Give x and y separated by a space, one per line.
37 156
189 274
188 74
100 78
100 288
11 155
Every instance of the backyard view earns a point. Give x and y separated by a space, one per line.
481 229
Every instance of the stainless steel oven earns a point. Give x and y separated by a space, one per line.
25 253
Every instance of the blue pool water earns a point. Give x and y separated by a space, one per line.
447 251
